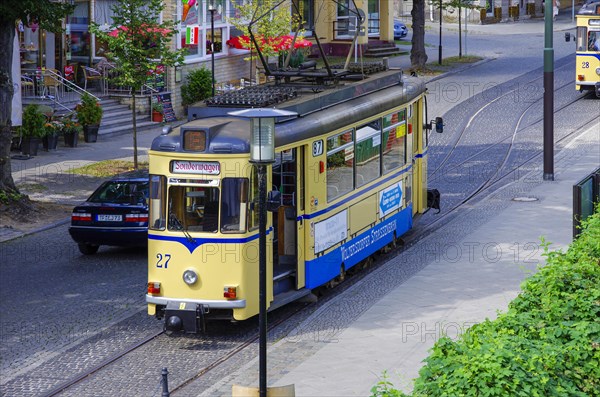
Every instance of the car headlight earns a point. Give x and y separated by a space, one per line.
190 277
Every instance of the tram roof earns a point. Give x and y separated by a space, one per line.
318 112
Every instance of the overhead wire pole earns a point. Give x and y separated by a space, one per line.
440 47
548 92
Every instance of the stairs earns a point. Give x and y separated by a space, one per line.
118 119
382 49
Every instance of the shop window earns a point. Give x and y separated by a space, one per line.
196 34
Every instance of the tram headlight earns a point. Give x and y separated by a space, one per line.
598 71
190 277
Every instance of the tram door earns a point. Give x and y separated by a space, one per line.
288 179
416 151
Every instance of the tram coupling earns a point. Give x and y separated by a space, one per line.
185 316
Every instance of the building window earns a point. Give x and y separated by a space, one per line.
195 33
302 10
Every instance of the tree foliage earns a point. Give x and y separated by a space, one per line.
137 43
49 15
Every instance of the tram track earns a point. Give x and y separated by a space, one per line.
106 363
479 111
495 179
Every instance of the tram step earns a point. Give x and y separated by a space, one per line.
284 282
289 296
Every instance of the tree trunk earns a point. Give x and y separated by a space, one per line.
7 35
418 56
135 151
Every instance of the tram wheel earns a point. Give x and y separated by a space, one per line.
339 279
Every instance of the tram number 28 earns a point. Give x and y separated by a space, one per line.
162 260
585 65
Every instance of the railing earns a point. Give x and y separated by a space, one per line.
110 74
586 195
46 84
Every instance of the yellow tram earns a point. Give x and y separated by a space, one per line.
350 176
588 47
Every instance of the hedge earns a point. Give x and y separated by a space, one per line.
546 344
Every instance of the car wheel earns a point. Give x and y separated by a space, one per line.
88 249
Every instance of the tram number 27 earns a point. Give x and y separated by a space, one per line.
162 260
585 65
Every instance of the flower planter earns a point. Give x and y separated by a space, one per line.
71 139
30 145
157 117
90 133
50 142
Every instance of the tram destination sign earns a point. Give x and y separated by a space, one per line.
390 199
195 167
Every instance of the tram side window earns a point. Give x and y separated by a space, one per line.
193 208
234 205
394 141
368 152
581 38
157 202
594 41
340 164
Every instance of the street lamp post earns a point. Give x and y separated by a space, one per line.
262 153
440 47
212 10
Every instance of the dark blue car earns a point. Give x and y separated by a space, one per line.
400 30
115 214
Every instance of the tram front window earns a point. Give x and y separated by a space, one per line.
201 208
193 208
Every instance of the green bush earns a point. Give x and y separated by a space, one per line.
197 87
546 344
33 122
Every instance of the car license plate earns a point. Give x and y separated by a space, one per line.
110 218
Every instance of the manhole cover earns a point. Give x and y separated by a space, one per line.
525 199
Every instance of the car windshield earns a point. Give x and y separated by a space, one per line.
121 192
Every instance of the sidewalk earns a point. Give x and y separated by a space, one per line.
457 276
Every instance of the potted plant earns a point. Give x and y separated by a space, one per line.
32 130
157 112
52 128
71 130
89 115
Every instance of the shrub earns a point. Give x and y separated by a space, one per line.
89 111
33 122
546 344
198 86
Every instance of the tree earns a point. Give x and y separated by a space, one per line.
459 4
418 56
137 44
50 16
